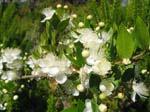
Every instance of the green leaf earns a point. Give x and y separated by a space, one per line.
62 25
80 106
71 109
125 43
55 21
141 34
95 106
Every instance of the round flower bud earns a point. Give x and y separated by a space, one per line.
89 17
131 28
81 24
126 61
22 86
5 104
4 90
85 53
102 107
80 87
15 97
74 16
120 95
102 96
102 87
6 81
71 45
143 71
101 24
97 28
59 6
65 6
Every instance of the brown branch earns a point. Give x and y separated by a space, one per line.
134 58
33 76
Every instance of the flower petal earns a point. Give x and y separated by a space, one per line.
61 79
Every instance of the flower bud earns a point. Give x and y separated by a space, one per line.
4 90
102 107
6 81
101 24
89 17
120 95
81 24
143 71
102 96
131 28
85 53
71 45
126 61
74 16
97 28
65 6
59 6
80 87
15 97
5 104
22 86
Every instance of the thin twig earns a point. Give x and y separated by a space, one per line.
33 76
134 58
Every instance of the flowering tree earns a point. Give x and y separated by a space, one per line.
90 66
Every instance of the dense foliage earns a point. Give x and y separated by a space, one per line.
92 57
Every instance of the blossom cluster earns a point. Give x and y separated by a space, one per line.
10 63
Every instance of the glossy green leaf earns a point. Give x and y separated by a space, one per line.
125 43
62 25
141 34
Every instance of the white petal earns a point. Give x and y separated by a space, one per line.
133 96
61 79
54 71
75 92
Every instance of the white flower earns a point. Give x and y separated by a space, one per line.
84 75
9 75
106 87
102 107
2 107
48 12
104 36
17 65
101 67
10 54
88 106
89 38
32 62
55 67
139 89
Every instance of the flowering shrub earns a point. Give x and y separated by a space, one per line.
84 66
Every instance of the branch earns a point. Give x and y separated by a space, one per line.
134 58
34 76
